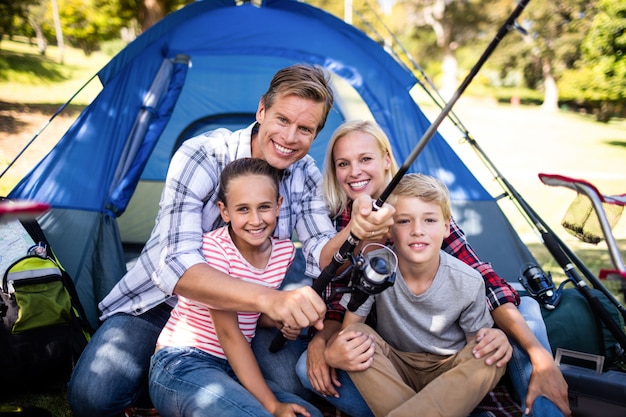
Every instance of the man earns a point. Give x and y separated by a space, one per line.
111 374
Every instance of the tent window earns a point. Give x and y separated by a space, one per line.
231 121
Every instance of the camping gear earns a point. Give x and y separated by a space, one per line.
42 331
345 251
592 362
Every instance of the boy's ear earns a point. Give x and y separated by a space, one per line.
223 212
447 226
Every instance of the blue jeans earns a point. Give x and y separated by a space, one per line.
350 400
112 372
280 367
190 382
519 368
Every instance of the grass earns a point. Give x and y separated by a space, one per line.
27 77
521 141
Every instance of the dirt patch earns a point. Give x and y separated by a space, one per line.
19 124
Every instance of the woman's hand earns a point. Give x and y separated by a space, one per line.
367 223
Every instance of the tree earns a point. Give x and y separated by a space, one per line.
599 77
9 11
553 45
148 12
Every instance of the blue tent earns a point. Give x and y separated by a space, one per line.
207 65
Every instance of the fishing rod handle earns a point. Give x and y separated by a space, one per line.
320 284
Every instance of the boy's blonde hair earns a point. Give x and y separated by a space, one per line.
426 188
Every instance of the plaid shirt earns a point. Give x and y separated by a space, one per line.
188 208
498 291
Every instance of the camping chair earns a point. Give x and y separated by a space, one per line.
593 229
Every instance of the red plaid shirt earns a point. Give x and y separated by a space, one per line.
498 291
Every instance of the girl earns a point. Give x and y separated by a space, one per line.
203 364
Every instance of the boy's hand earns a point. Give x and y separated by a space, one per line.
493 340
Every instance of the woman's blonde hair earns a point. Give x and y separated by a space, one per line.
336 198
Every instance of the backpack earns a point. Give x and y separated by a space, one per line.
43 329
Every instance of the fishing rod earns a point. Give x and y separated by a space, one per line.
344 252
507 187
557 248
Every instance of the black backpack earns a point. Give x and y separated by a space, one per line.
43 329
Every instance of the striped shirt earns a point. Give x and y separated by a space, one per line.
188 208
190 323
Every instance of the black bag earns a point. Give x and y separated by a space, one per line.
43 329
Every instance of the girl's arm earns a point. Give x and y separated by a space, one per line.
242 360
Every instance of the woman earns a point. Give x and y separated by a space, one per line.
359 161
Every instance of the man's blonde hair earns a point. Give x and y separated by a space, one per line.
426 188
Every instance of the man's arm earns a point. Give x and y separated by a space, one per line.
546 378
297 308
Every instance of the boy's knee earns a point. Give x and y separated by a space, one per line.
359 327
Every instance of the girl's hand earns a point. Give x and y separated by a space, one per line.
289 410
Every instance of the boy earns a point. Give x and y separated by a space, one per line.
429 321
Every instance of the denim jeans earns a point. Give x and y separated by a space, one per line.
350 400
519 368
112 372
280 367
190 382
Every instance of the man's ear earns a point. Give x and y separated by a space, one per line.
223 211
260 112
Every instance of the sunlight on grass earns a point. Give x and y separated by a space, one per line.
35 79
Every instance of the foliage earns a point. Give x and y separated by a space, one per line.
599 78
10 10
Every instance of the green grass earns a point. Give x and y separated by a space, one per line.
28 77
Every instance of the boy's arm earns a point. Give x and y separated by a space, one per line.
244 364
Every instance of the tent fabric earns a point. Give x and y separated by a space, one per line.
214 60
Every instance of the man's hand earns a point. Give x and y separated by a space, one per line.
297 309
547 380
493 340
367 224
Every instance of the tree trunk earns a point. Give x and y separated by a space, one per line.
42 44
58 30
151 12
551 91
449 70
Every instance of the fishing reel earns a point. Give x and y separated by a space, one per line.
372 273
540 286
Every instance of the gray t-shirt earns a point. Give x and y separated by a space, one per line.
436 321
